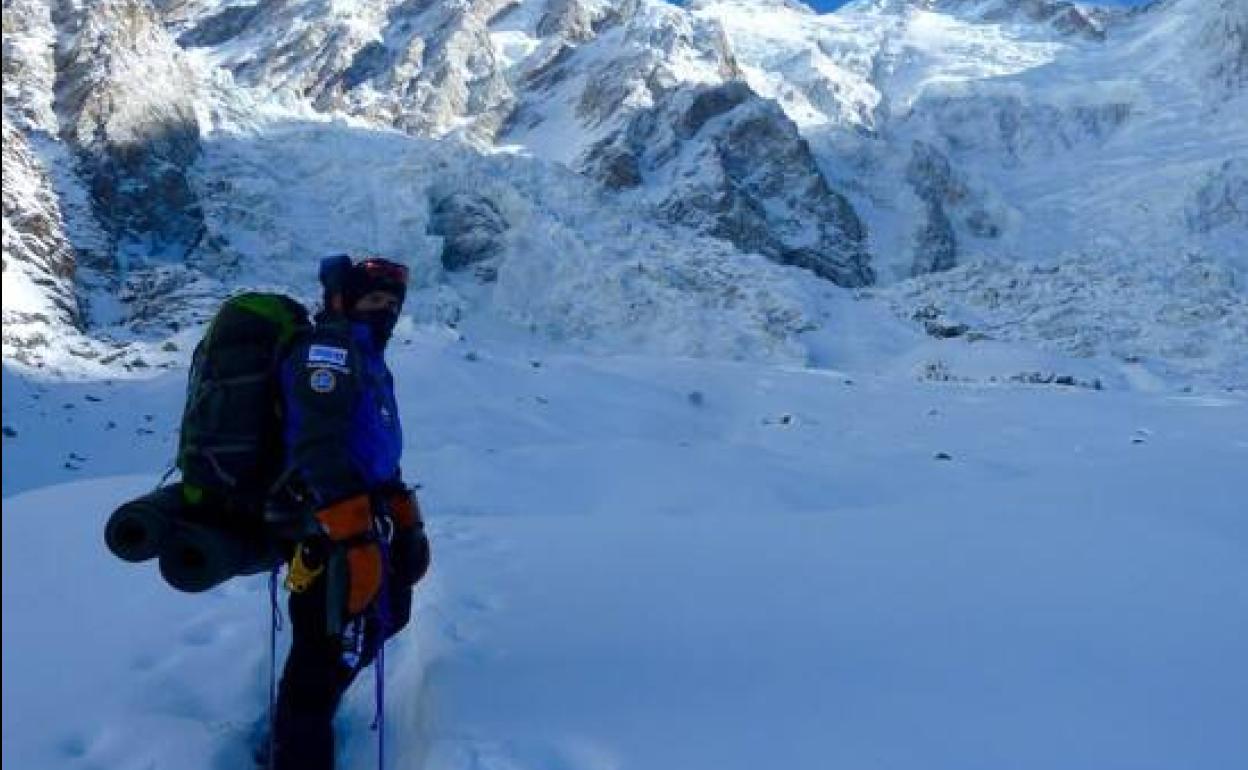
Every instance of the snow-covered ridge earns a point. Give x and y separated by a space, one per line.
894 139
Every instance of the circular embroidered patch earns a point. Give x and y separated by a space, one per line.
323 381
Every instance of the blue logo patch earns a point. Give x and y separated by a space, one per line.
323 381
327 354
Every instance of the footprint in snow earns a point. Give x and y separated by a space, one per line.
74 746
201 635
476 604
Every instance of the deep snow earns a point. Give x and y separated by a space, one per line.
898 558
667 563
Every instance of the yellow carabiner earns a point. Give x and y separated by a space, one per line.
299 576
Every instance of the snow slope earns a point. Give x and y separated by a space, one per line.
690 508
671 563
990 136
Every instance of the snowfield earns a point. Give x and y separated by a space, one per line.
691 509
655 563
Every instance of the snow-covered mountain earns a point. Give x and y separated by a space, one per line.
541 162
785 390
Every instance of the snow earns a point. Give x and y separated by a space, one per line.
691 509
578 267
661 562
1065 149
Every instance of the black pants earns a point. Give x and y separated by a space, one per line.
319 670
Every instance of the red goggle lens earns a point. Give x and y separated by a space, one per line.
385 270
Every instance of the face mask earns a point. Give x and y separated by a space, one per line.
380 324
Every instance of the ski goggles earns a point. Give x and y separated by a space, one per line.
383 270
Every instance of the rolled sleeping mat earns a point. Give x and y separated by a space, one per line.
136 530
195 557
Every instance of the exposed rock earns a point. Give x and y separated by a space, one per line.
610 87
616 167
220 27
28 64
1052 378
471 226
944 330
647 55
1065 17
124 98
791 5
935 242
735 167
39 264
425 67
1223 41
1017 130
576 19
1221 200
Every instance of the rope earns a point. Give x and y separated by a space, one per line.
275 625
165 477
382 610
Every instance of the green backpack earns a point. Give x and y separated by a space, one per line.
230 448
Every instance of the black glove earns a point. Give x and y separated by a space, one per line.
409 555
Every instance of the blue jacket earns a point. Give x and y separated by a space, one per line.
342 430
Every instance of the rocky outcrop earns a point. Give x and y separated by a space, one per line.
936 243
28 64
1221 200
125 104
651 50
471 227
576 20
39 301
1223 39
1064 17
953 210
731 164
425 67
1016 130
435 70
217 28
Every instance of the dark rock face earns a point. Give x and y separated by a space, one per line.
369 62
1065 17
132 127
140 189
1221 199
737 168
710 103
952 210
936 243
574 19
1224 38
220 27
472 229
1021 132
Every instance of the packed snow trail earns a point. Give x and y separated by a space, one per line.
649 563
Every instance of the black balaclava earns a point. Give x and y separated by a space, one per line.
380 323
354 281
